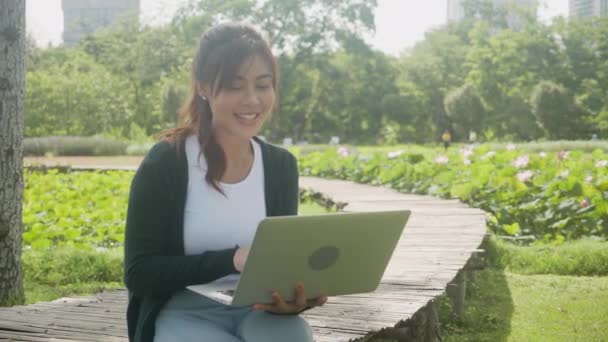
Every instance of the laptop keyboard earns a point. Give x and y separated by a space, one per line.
228 292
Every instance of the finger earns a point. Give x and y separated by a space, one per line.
300 297
263 307
279 303
319 301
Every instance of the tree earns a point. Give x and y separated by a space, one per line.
434 66
142 55
76 96
12 84
506 66
556 111
464 108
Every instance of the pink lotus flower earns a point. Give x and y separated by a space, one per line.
525 176
601 163
442 160
489 155
467 151
343 151
521 161
511 147
561 155
394 154
585 203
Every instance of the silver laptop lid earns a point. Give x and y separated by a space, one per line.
332 254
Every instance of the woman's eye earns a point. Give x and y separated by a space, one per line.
263 86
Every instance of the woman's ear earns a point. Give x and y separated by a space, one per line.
203 91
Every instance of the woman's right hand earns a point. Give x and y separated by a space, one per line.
240 257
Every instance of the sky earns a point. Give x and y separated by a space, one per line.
399 23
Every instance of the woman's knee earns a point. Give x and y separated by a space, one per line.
180 328
262 327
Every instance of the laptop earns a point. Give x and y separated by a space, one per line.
331 254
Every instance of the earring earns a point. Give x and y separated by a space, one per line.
203 97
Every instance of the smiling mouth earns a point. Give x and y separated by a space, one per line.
247 116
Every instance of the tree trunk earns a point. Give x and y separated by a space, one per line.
12 86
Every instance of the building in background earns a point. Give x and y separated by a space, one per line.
83 17
588 8
455 11
515 8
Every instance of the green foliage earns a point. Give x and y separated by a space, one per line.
71 94
465 109
556 146
332 82
73 146
291 24
552 196
555 110
84 210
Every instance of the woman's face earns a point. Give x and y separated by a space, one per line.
241 109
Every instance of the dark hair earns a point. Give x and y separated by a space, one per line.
221 51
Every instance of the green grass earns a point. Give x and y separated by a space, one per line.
536 293
579 258
511 307
308 208
525 295
67 271
35 292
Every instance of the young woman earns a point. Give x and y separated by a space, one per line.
200 193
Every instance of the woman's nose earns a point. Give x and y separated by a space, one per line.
251 97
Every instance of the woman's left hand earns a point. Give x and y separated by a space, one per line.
280 306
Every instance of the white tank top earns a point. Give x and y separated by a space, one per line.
213 221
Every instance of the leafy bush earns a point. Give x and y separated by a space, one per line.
69 93
556 110
138 149
85 210
73 146
556 145
465 109
552 196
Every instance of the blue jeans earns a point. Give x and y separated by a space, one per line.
188 316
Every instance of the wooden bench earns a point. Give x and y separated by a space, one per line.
437 243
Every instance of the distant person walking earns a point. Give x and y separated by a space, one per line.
446 137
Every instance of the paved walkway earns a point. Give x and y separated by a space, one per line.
437 242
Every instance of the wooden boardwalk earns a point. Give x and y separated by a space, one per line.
437 242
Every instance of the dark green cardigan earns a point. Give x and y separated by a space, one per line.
155 264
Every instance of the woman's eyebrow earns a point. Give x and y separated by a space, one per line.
241 78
